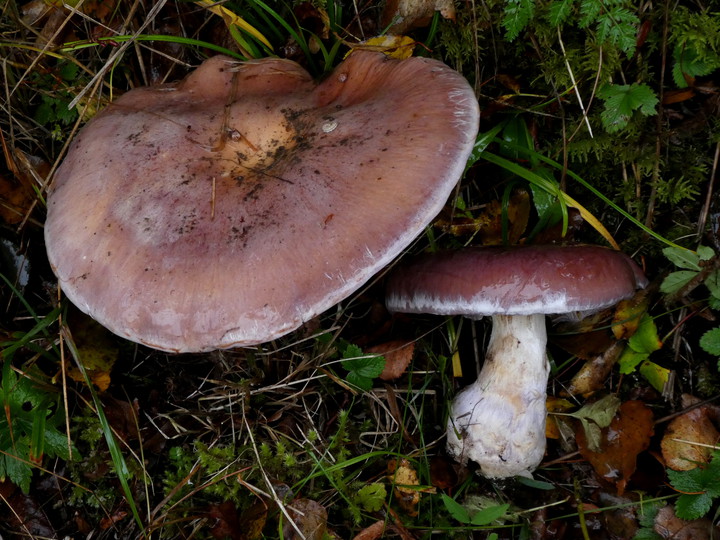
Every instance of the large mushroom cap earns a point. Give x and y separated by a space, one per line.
231 207
518 280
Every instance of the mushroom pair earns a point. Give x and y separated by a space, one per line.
229 208
499 420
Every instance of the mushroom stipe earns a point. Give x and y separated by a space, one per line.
499 421
229 208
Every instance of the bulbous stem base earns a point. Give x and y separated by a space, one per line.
499 420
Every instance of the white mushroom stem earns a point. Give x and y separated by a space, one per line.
499 420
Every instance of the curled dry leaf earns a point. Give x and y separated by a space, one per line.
593 373
398 355
629 434
688 438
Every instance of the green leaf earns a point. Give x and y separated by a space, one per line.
691 507
629 360
710 341
488 515
595 416
676 281
699 487
684 258
645 339
690 63
371 497
657 376
712 282
365 366
601 412
559 11
705 253
622 100
518 13
456 510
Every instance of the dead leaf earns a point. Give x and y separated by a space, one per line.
628 315
406 485
310 519
669 526
400 16
110 521
252 520
694 426
397 353
226 523
555 405
97 350
629 434
594 372
373 532
486 227
399 47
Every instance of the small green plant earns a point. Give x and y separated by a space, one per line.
31 427
361 368
622 100
475 512
700 487
611 21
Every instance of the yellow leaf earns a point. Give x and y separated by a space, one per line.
400 47
232 19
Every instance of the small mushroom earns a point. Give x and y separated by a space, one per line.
229 208
499 420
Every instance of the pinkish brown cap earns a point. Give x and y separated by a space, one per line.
228 209
520 280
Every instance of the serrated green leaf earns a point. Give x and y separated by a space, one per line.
710 341
689 62
559 11
371 497
363 383
689 507
676 281
684 258
365 366
488 515
622 100
518 13
456 510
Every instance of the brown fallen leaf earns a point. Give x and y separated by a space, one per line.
398 355
373 532
486 227
309 518
406 485
555 405
695 426
671 527
592 375
627 435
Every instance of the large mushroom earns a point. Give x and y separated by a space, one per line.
499 420
231 207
